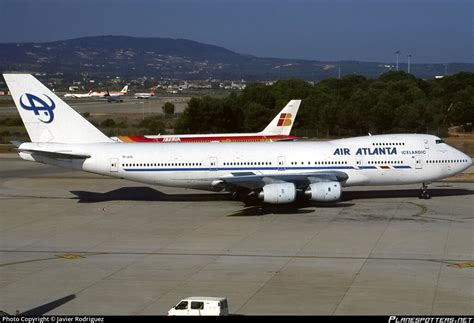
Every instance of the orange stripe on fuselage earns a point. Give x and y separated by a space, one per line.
205 139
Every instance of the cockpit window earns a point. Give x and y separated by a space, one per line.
439 141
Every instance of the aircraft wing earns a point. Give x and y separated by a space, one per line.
251 180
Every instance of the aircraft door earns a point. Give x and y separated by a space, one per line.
427 144
113 163
281 163
418 162
359 162
213 163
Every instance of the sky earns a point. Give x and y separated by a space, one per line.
432 31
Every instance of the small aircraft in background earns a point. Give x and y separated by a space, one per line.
114 98
101 94
111 93
78 95
146 95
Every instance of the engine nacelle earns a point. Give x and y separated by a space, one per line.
279 193
324 191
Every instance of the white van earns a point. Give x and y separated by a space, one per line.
200 306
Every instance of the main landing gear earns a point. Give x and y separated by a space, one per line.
424 193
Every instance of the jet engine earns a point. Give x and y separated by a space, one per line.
279 193
324 191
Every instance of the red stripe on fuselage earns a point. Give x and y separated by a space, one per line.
205 139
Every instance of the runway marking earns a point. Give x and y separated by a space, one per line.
26 261
70 256
462 265
424 210
86 254
440 269
35 197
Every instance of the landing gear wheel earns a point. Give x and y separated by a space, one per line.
235 196
424 193
239 195
424 196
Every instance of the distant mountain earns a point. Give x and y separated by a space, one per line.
130 57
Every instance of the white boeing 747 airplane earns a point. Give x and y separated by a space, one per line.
275 172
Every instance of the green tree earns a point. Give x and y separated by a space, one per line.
256 117
210 115
394 102
462 108
153 125
168 108
108 123
393 76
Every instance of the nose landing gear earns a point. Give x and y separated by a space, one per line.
424 193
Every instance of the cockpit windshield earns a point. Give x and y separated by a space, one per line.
439 141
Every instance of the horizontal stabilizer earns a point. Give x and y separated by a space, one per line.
56 154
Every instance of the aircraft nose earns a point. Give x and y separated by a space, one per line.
467 160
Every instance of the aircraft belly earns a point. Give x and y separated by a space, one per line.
198 180
142 177
357 177
386 177
402 176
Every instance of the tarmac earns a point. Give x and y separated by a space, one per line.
129 248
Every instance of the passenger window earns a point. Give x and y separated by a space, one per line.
197 305
182 306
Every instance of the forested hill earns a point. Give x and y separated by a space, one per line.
130 57
396 102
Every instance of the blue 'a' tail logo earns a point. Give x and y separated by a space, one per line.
43 110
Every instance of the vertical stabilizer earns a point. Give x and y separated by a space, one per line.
283 122
47 118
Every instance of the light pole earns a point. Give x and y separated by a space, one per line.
408 57
398 54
